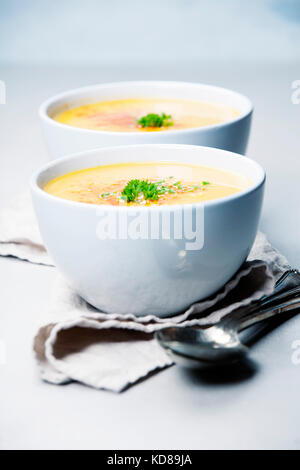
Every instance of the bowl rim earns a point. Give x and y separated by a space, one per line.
44 116
35 187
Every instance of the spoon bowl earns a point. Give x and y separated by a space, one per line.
207 346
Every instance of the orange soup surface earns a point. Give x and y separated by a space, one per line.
127 115
147 184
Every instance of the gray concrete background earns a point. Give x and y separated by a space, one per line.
114 31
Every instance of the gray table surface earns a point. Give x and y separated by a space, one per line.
257 408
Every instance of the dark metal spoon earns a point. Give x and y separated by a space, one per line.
220 344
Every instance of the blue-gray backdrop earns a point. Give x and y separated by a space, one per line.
109 31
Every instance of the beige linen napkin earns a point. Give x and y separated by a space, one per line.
79 343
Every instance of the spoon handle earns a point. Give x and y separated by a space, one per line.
268 312
286 296
288 283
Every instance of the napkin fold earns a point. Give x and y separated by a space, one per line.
76 342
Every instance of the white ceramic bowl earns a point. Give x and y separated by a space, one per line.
148 276
63 139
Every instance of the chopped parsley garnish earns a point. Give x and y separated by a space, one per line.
143 191
155 120
136 188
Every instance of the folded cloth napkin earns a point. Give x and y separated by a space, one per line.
76 342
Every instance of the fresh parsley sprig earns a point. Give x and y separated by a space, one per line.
155 120
136 188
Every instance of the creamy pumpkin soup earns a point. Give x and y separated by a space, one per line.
134 115
152 183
